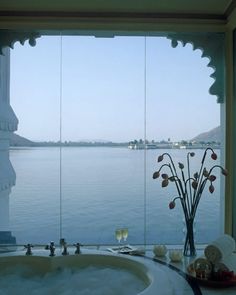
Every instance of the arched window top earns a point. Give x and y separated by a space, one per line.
8 38
212 47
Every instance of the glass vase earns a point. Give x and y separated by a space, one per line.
189 244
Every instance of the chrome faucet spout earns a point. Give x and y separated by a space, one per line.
77 245
64 245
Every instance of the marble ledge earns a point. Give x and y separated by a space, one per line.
176 271
181 285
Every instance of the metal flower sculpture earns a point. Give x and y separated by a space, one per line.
189 189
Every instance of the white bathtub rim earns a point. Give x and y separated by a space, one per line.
158 278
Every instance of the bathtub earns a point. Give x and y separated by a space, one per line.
43 269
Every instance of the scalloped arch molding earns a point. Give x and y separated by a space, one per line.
211 45
9 38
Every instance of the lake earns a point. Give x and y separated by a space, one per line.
102 189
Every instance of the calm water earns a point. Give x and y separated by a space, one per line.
102 189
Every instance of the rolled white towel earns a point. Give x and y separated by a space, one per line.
228 264
219 249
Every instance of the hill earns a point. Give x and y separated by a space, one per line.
17 140
209 136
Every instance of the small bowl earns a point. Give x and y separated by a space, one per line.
160 250
175 255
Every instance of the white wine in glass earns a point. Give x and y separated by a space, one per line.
118 234
125 233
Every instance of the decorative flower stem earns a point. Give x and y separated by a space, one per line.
189 190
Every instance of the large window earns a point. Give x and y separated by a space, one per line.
82 102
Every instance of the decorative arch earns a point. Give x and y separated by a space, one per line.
8 38
212 46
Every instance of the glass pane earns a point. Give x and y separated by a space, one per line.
178 105
34 201
103 107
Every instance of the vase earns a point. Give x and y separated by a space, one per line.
189 244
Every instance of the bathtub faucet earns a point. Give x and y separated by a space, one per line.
52 248
64 245
28 248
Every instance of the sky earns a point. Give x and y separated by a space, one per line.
103 89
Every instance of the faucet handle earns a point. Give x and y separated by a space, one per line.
77 245
51 247
28 248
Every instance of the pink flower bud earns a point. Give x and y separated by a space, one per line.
160 158
164 176
224 172
211 188
214 156
205 172
181 165
172 178
194 185
212 178
192 154
172 205
156 174
165 182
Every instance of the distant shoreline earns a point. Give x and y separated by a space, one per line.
164 147
202 141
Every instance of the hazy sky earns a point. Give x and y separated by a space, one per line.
103 89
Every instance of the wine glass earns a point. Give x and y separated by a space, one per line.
118 234
125 233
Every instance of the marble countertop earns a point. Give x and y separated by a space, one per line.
182 267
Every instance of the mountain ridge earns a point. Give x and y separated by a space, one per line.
213 135
17 140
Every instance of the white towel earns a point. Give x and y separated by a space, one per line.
219 249
138 251
127 250
228 263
